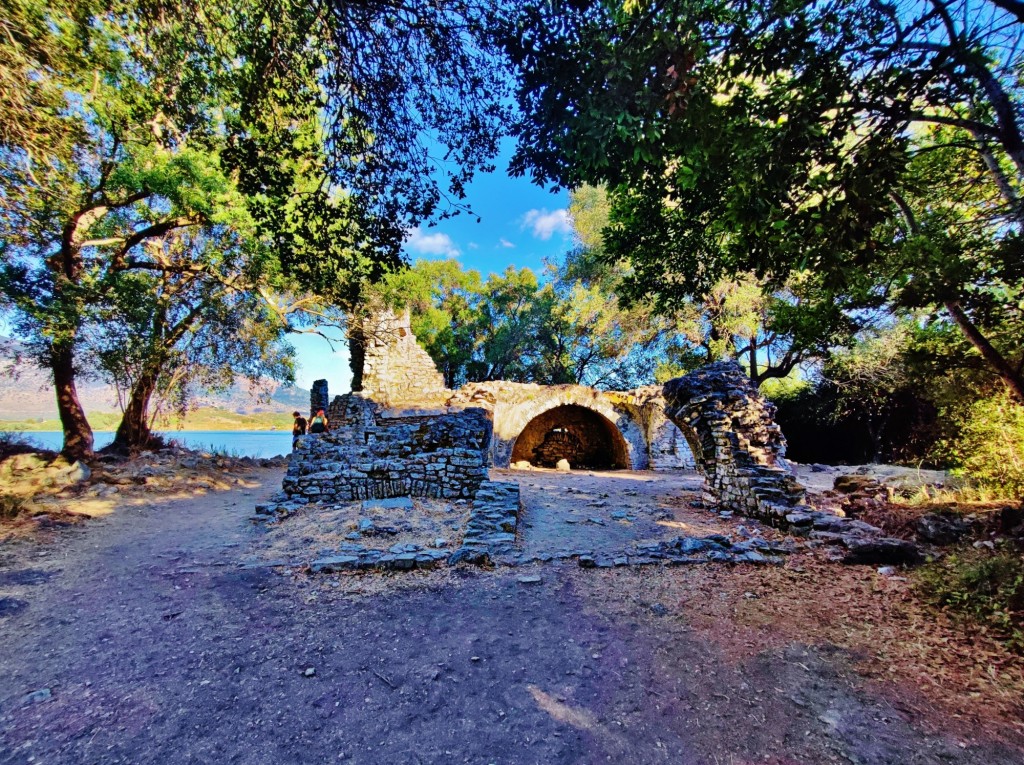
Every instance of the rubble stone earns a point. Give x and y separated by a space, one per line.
741 452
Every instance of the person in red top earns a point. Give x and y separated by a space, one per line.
319 423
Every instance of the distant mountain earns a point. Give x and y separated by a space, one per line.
26 392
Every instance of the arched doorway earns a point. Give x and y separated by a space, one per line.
580 435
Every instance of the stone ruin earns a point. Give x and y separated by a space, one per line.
402 433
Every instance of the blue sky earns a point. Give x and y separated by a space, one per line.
520 224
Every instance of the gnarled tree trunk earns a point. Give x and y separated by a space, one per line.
1010 377
134 432
78 438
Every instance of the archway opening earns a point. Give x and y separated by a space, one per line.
586 439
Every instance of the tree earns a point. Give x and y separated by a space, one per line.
413 92
950 247
770 330
284 124
515 327
148 122
164 334
768 138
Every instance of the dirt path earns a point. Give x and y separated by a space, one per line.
138 639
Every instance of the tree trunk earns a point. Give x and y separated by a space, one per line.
356 353
78 439
1000 365
66 269
133 432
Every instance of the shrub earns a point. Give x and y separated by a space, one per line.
989 448
12 443
986 586
11 505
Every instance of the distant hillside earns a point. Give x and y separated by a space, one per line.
26 393
201 419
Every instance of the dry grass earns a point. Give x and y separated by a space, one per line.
927 662
315 531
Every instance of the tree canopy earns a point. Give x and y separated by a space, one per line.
779 139
246 150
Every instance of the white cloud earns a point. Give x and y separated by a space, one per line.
430 244
544 223
473 246
503 242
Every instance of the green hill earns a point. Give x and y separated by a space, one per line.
207 418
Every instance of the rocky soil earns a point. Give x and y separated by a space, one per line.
162 632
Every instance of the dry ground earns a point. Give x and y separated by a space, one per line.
138 638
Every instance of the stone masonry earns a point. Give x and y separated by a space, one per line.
734 438
404 434
397 372
319 397
741 452
373 453
641 437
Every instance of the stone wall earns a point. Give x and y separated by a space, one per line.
667 446
396 370
669 449
319 398
516 405
741 452
737 444
371 453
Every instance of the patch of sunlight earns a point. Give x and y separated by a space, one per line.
619 475
577 718
675 525
94 508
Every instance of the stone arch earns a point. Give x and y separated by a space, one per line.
519 404
735 441
584 437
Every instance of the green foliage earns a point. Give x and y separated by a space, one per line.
34 36
11 505
785 388
853 154
164 168
512 326
131 245
987 587
988 447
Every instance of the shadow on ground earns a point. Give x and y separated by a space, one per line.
142 641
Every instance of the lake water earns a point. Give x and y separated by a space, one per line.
237 443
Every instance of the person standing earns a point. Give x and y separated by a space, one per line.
319 422
298 428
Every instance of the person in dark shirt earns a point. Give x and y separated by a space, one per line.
298 428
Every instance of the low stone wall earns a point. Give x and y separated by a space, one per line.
492 525
371 454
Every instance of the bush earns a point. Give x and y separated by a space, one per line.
985 586
989 449
13 442
11 506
